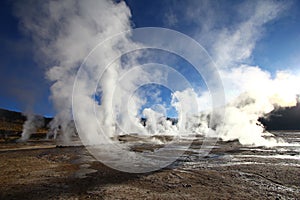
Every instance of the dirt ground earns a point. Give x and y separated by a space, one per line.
46 171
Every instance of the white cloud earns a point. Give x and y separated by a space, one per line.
236 44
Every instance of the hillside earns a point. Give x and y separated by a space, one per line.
11 124
283 119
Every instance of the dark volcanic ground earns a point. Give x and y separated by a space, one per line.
41 170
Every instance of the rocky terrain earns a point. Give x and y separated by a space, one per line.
41 169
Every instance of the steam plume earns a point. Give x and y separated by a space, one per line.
30 126
65 32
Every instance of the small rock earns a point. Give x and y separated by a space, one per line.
186 185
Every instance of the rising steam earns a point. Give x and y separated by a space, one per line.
32 123
64 33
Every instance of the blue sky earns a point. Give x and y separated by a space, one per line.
23 84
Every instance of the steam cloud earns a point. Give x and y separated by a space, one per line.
32 123
65 32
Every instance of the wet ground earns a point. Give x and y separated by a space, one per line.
41 169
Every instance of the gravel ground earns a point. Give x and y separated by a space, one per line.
41 170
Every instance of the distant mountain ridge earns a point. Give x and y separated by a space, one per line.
283 119
14 116
11 116
11 122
